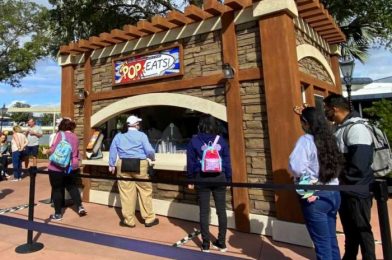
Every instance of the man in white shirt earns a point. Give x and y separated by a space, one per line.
33 134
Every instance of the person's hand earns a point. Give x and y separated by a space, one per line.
298 109
312 199
191 186
45 150
112 169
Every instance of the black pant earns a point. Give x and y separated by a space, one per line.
219 195
4 163
59 182
355 217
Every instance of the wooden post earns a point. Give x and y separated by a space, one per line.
283 92
336 71
235 124
67 90
87 112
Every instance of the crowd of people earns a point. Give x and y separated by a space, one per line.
321 156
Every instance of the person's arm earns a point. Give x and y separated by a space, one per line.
191 161
25 141
38 133
299 158
147 147
56 141
113 151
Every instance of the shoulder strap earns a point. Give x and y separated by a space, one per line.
216 140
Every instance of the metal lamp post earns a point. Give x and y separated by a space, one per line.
347 67
3 112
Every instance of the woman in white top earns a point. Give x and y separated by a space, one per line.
316 160
18 144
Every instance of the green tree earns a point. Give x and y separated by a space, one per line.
21 117
381 112
23 39
365 23
72 20
47 119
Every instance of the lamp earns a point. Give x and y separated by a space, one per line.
228 71
347 67
82 94
3 112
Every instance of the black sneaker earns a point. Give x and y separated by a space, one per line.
123 224
205 247
220 246
155 222
56 217
81 211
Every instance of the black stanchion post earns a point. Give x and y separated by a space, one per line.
30 246
381 195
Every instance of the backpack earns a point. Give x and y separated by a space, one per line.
382 156
211 160
62 153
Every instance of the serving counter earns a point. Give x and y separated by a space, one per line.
163 161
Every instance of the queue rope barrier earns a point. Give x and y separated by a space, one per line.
379 189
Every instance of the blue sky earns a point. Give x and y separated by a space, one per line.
43 87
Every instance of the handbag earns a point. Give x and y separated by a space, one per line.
130 165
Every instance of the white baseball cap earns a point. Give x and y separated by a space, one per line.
131 120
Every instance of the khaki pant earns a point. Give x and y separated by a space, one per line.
130 190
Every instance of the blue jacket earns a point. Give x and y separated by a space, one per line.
194 154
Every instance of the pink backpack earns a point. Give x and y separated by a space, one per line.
211 160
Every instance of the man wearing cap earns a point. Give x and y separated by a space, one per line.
133 144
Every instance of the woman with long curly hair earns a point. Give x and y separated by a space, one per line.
316 160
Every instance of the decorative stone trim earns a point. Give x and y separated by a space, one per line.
267 7
307 50
159 99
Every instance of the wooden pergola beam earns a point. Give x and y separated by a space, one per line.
107 37
178 18
195 13
238 4
307 7
120 35
161 23
96 41
147 27
64 49
74 47
214 7
132 31
312 13
85 44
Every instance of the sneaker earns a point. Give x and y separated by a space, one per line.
205 247
15 179
56 217
19 179
220 246
81 211
123 224
155 222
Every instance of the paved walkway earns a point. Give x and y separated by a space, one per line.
104 220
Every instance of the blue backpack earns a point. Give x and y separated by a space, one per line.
62 153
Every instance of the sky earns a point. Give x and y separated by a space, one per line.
43 87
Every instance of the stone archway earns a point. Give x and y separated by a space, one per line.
159 99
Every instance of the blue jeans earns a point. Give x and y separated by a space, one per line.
17 164
320 220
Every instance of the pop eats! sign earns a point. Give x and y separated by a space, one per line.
164 63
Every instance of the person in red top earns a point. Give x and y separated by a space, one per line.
63 178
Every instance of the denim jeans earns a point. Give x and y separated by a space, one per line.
219 195
17 164
320 219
